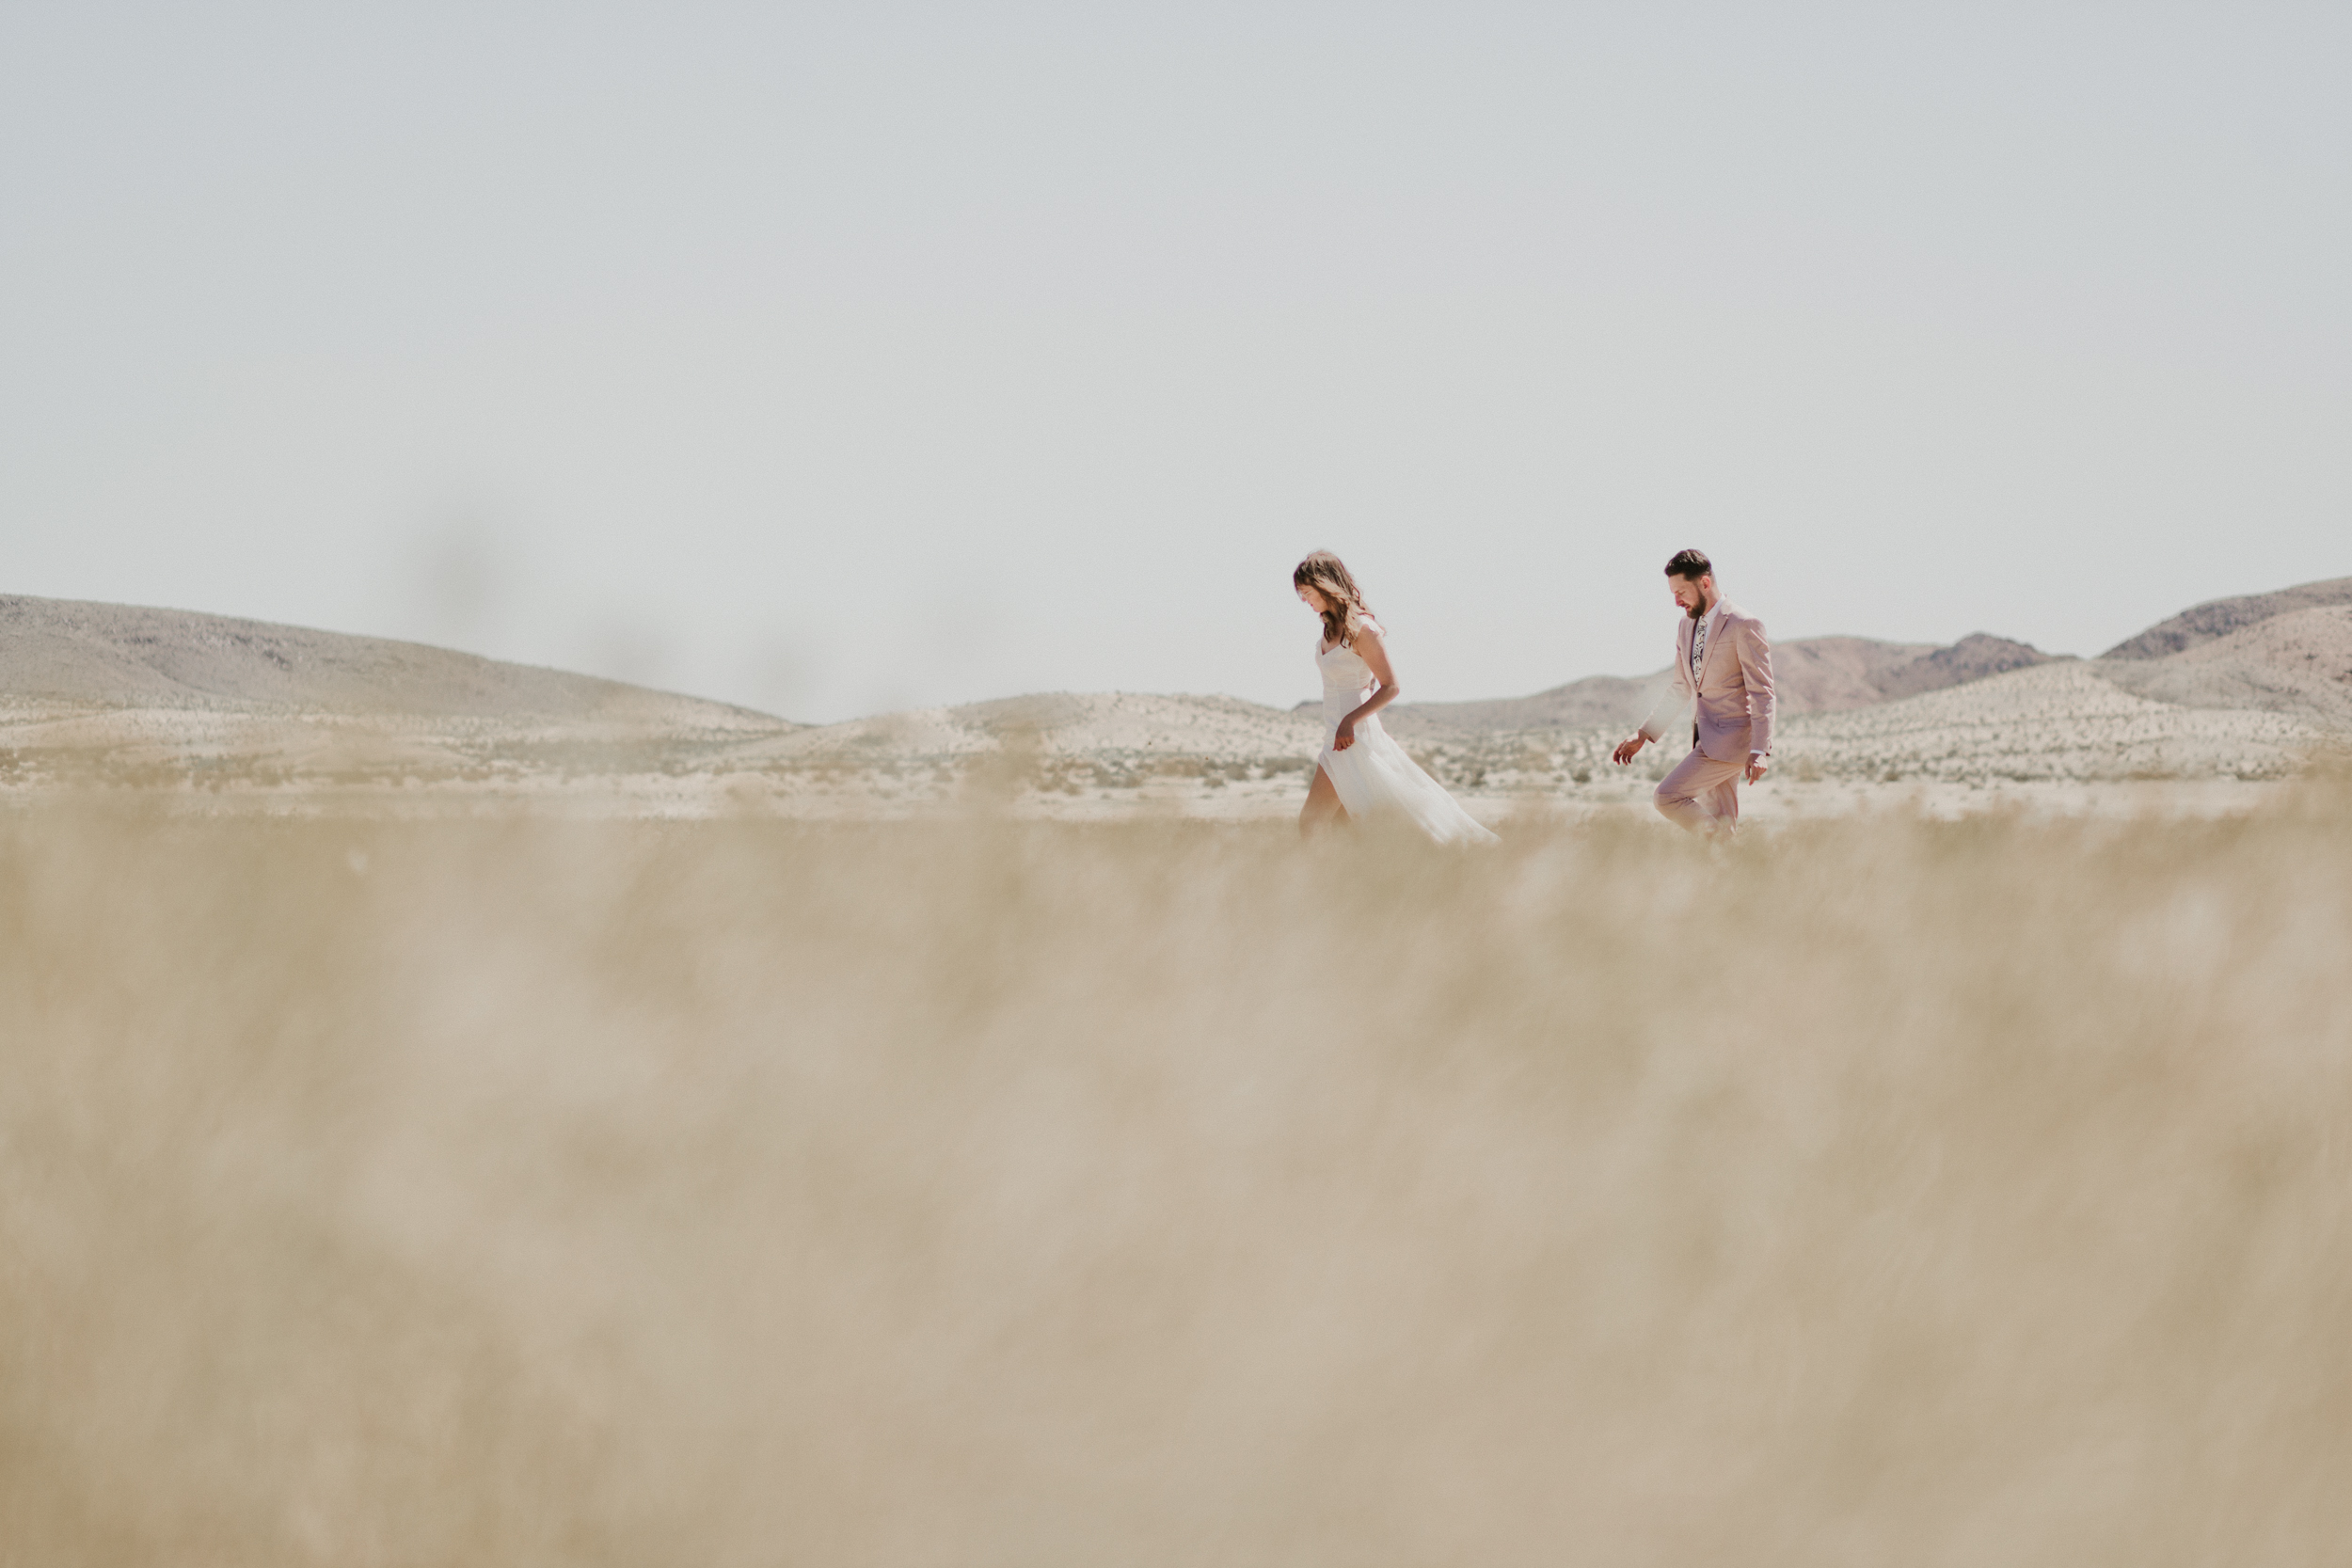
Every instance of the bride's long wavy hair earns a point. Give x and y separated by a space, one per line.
1343 602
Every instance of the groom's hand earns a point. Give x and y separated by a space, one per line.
1627 750
1755 768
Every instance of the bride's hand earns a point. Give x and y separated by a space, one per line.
1346 736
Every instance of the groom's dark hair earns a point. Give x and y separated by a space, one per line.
1690 563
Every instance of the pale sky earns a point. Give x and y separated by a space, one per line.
834 358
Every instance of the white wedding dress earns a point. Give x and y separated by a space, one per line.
1374 777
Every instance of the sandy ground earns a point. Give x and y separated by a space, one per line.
2057 741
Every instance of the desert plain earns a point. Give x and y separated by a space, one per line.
228 714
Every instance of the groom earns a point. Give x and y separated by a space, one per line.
1724 668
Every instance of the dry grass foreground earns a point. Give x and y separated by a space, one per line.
1886 1191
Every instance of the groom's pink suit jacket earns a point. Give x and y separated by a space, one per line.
1733 698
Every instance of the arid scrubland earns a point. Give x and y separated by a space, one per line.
1882 1191
2200 715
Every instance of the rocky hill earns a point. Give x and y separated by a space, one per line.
2219 618
2297 661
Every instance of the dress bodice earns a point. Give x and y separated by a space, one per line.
1345 675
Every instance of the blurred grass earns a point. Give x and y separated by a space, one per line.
1883 1191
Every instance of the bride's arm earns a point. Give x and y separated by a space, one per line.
1369 648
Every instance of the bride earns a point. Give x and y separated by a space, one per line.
1363 773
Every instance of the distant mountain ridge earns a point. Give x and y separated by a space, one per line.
105 655
2289 651
1810 674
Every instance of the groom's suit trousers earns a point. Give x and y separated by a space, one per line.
1702 793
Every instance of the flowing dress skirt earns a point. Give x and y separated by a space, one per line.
1376 780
